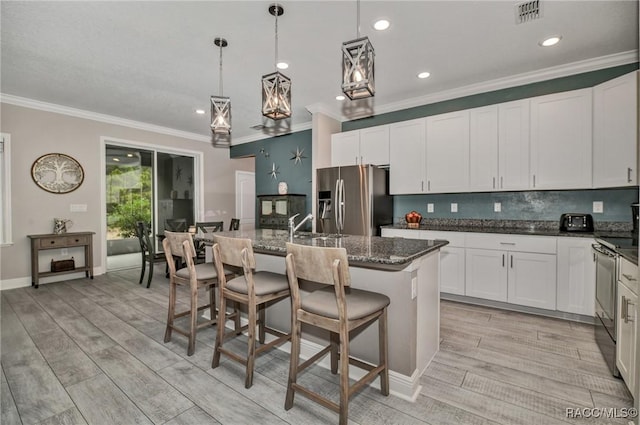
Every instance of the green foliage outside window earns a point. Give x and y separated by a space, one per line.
128 199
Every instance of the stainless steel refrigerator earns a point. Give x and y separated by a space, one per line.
353 200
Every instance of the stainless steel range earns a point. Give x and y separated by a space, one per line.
606 258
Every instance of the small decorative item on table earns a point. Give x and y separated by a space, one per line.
413 219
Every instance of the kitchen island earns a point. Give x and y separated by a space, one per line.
406 270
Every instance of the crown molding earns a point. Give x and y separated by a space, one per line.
559 71
94 116
294 129
322 108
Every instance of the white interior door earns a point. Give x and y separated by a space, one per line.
246 199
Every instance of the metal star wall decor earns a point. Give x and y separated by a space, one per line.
297 156
274 171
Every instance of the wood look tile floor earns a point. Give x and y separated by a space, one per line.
91 352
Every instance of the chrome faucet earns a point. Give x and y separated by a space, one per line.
293 228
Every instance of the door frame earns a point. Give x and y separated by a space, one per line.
251 174
198 173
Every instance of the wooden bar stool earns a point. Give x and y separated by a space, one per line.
338 309
195 276
257 290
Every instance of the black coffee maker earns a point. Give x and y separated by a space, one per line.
635 214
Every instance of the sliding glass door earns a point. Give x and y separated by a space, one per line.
144 185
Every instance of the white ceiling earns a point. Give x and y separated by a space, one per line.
155 62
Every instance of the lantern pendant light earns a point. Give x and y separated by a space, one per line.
358 66
220 108
276 87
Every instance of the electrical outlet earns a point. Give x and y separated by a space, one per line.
429 208
497 207
454 207
414 288
64 251
598 207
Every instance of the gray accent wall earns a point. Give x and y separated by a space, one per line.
280 151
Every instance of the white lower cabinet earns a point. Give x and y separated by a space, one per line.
576 292
486 274
532 280
515 269
627 330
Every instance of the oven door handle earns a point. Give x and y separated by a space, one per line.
603 251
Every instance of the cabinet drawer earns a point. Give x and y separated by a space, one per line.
629 275
455 238
541 244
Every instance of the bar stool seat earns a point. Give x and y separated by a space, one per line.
360 303
264 283
204 271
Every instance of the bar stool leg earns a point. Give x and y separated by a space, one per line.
212 304
382 335
171 312
215 362
293 363
194 319
251 344
344 376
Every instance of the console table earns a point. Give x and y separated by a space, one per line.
59 241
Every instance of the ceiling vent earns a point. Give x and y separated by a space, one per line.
528 11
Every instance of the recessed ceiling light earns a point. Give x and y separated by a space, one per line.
381 24
129 155
550 41
200 111
282 65
340 97
424 74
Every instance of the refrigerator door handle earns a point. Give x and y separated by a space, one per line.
342 206
336 214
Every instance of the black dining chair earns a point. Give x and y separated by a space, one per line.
176 224
149 255
235 224
206 227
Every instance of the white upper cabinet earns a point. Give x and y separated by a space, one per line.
513 145
345 148
366 146
483 149
374 145
407 158
561 140
615 132
447 152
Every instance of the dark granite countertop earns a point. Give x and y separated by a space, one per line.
363 251
515 227
630 254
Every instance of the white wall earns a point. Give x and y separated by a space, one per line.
35 132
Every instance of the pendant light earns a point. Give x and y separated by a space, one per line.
220 108
358 66
276 87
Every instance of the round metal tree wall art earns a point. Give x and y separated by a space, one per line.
57 173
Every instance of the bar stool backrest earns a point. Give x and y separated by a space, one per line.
176 239
231 251
315 264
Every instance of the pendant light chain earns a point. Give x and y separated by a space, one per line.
220 78
277 13
358 20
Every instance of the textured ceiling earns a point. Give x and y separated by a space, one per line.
155 62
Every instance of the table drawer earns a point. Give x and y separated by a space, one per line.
76 240
63 241
629 275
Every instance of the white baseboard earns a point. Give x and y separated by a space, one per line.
22 282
